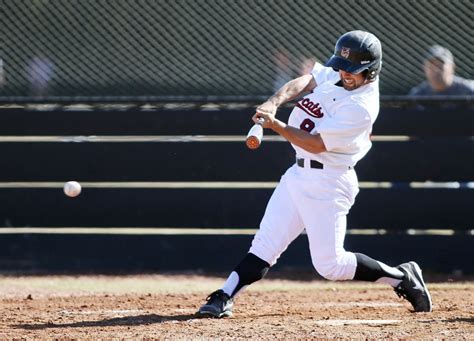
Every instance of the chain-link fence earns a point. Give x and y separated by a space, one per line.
213 47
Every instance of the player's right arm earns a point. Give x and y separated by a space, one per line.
288 92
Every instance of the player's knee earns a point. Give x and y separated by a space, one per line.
330 269
251 269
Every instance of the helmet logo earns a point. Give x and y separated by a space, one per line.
345 52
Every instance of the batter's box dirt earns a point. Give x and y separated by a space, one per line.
159 306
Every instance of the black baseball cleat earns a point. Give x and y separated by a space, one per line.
413 288
219 304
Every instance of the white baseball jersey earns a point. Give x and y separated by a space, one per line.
343 118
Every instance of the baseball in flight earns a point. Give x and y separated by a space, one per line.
72 189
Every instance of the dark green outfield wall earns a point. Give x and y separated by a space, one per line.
213 47
190 182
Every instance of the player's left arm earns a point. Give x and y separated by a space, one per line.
301 138
287 92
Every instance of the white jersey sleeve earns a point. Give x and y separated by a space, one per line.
322 74
350 127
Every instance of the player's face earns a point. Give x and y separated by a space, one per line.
351 81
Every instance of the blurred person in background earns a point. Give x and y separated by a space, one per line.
2 74
283 72
39 71
307 65
440 80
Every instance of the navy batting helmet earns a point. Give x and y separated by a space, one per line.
357 51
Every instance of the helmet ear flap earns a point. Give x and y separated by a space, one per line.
374 71
371 75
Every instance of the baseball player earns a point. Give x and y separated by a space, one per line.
329 129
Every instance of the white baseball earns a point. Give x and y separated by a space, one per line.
72 189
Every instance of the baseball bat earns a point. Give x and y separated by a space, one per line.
255 135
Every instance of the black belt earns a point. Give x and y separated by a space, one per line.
313 164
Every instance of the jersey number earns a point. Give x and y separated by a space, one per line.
307 125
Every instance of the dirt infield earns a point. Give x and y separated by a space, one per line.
159 306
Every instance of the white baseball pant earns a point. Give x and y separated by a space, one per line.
318 200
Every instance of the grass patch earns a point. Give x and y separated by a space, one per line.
162 284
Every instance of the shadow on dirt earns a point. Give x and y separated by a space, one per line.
118 321
461 319
469 320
